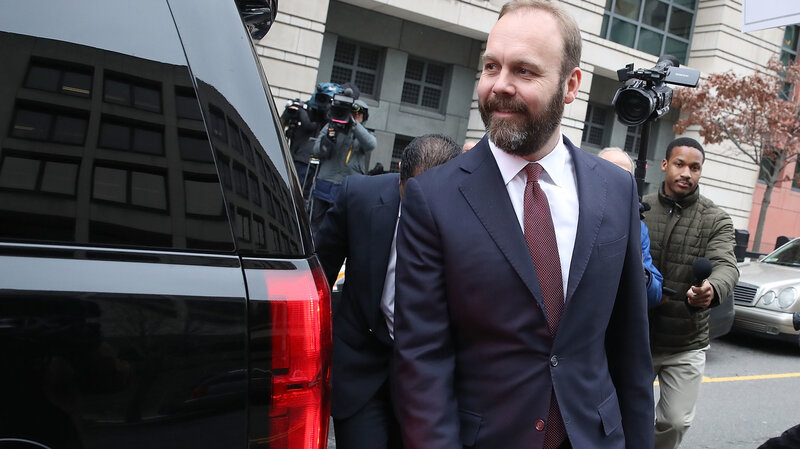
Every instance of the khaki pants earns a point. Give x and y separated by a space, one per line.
679 378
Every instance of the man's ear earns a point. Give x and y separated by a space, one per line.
571 85
664 163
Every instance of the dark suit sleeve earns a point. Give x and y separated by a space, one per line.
628 343
331 238
790 439
424 355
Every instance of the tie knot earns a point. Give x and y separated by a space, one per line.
533 170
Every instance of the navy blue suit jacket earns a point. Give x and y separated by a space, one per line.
475 365
360 227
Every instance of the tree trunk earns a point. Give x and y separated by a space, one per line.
762 215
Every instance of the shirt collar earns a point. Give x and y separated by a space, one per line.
555 164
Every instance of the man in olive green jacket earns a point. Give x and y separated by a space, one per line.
685 226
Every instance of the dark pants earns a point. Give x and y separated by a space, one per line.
318 210
373 427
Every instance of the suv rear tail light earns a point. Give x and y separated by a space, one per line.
301 347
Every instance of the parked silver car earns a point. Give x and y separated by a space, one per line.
767 297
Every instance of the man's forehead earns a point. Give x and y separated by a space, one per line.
523 31
686 153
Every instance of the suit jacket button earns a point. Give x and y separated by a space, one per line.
554 360
539 425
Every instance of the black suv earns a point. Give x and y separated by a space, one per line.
158 284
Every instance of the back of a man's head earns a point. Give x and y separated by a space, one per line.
426 152
618 157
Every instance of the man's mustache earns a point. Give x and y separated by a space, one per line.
505 104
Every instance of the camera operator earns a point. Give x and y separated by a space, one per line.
303 121
341 147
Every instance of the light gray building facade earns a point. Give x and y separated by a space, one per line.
417 62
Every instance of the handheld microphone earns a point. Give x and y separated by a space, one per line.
701 270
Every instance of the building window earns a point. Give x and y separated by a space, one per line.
424 84
139 94
595 125
217 123
632 138
789 49
52 77
657 27
33 174
400 143
119 135
357 64
194 147
133 187
202 195
243 224
790 44
766 167
240 180
46 124
796 179
186 104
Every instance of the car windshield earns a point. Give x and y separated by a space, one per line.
788 255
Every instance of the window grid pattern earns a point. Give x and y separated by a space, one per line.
39 175
357 64
789 49
400 143
632 139
53 78
594 125
424 84
137 94
41 124
132 187
657 27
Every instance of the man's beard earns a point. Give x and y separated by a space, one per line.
522 137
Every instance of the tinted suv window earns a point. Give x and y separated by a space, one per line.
97 145
261 191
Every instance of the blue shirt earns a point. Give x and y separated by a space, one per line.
655 279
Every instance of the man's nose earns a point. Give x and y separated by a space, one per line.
504 84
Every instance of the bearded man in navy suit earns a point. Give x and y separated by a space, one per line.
520 314
361 227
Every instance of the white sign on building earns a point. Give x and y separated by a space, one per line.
762 14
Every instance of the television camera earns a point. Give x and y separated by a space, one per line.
647 97
341 113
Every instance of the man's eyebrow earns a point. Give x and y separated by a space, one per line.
516 62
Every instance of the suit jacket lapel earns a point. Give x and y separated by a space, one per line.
382 223
487 196
592 200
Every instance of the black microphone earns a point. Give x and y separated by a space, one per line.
701 270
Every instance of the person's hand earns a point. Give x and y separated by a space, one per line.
701 296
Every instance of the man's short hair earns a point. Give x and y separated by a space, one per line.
570 31
685 142
426 152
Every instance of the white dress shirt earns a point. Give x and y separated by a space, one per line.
387 297
559 183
